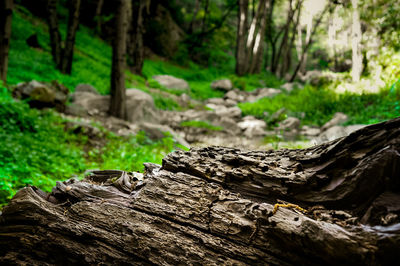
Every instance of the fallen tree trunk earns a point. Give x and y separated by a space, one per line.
339 203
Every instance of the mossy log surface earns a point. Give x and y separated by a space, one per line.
339 204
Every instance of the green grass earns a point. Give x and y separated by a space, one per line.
92 56
36 149
201 124
318 105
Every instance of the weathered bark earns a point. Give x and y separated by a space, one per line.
68 51
5 35
356 36
118 93
63 56
216 206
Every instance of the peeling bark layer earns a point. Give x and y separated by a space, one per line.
215 206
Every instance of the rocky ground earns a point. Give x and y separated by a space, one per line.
217 121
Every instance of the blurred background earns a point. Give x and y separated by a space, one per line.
101 84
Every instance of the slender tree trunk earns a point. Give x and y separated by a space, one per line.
204 23
55 37
287 56
258 46
99 20
308 38
5 36
356 43
193 20
135 45
308 43
118 94
68 51
241 37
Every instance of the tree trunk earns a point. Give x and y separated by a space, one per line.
55 37
5 36
99 20
73 22
241 37
339 203
118 94
308 43
135 45
193 20
356 36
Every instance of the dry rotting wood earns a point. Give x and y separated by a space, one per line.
340 204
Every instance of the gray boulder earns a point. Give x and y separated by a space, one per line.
171 82
43 95
338 118
252 127
223 85
140 105
86 88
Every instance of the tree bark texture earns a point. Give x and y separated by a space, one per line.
249 44
118 94
135 47
340 204
55 37
73 22
63 56
6 8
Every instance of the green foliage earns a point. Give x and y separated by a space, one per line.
130 153
252 82
201 124
318 106
92 57
37 150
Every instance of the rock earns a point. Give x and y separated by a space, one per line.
223 85
289 128
252 127
230 102
171 82
235 95
310 131
338 118
43 95
331 133
157 131
86 88
262 93
290 123
335 132
216 101
140 105
229 125
162 34
290 86
231 112
352 128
